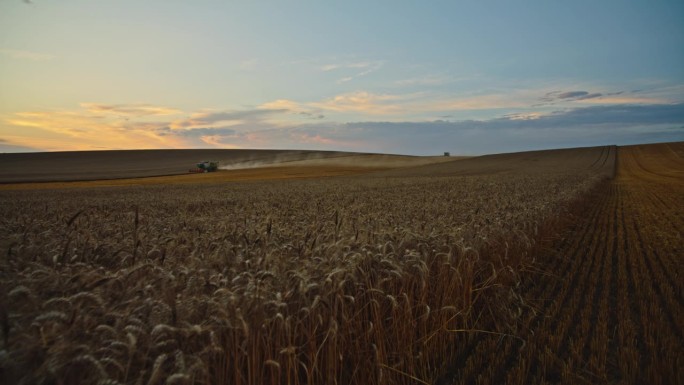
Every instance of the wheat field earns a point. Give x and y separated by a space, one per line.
397 277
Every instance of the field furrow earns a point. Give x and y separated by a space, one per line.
611 289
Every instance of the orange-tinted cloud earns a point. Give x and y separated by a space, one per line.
129 109
224 118
89 128
138 126
367 103
362 102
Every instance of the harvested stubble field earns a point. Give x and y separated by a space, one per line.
521 268
116 168
604 301
98 165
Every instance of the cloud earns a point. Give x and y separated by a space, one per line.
478 102
350 65
626 100
572 94
569 96
217 141
294 108
93 126
363 102
357 69
104 126
195 132
358 102
26 55
130 109
401 105
222 116
577 95
204 119
318 139
282 104
429 80
619 97
524 116
356 121
585 126
625 115
8 146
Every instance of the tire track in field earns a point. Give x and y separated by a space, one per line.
601 157
537 364
663 260
666 206
594 353
632 291
614 310
659 285
474 356
612 359
571 320
558 268
508 365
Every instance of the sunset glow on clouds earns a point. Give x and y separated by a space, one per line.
283 123
464 78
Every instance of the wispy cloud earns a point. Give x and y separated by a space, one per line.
360 65
222 118
363 102
26 55
352 70
407 104
130 109
577 95
360 102
428 80
478 102
294 108
11 146
607 98
622 115
524 102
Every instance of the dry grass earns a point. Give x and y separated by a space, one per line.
358 280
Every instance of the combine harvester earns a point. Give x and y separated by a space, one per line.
206 166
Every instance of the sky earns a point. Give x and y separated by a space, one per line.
403 77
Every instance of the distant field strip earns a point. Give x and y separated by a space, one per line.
108 165
222 176
605 305
268 168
